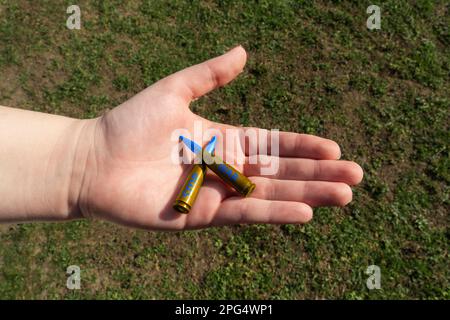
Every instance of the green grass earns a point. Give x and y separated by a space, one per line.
383 95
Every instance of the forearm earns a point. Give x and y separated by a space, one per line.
41 166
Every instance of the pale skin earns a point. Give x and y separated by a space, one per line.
117 167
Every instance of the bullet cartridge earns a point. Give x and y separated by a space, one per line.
189 192
228 174
191 187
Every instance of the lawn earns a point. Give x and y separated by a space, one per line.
314 67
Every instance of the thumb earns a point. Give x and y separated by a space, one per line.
195 81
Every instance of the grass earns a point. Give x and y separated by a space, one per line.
383 95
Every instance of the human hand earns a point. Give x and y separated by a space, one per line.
129 177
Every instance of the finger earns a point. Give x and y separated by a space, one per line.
250 210
285 144
307 169
313 193
291 144
199 79
211 195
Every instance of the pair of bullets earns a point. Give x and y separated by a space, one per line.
191 187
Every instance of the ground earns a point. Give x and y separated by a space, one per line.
313 67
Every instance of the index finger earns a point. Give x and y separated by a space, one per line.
291 144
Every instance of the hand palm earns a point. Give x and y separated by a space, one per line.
135 181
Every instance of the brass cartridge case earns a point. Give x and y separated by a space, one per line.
228 174
191 187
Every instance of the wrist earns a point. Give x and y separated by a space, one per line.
76 152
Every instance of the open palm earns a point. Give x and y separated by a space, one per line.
130 177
